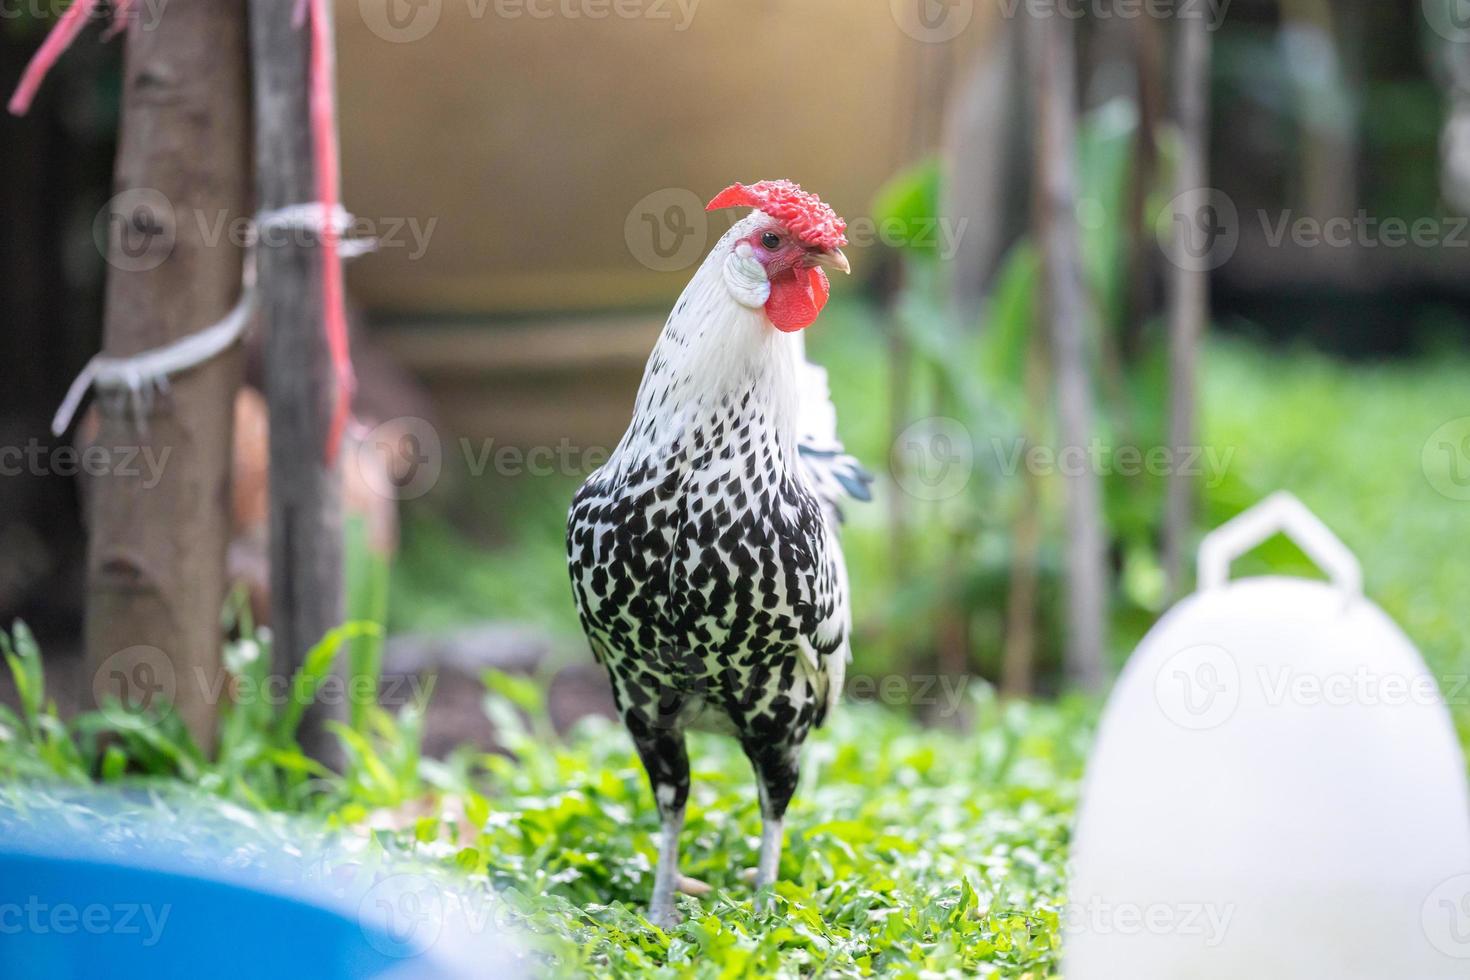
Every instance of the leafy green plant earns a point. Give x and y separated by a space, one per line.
368 573
257 759
52 750
960 555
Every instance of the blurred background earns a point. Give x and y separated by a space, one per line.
534 172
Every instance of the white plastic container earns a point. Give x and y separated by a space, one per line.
1276 792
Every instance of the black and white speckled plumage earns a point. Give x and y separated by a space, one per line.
703 556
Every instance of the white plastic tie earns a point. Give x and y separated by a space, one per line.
1280 513
309 217
144 374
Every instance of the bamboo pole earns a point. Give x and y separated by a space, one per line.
1052 58
1189 290
1018 663
1141 297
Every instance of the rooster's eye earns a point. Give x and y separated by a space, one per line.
771 240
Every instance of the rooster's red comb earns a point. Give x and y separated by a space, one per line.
804 214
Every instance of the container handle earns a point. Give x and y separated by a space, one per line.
1279 513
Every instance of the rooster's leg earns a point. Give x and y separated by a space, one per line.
663 755
666 875
775 773
770 859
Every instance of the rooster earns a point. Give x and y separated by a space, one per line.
703 555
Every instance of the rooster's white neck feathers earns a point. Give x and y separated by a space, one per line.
717 352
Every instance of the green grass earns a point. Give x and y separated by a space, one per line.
910 851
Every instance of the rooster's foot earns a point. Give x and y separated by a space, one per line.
686 885
665 918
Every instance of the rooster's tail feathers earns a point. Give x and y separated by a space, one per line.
830 470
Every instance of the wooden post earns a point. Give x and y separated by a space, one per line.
1018 661
1189 289
1140 298
305 493
158 530
985 162
1053 67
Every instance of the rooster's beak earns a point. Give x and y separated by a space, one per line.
832 259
